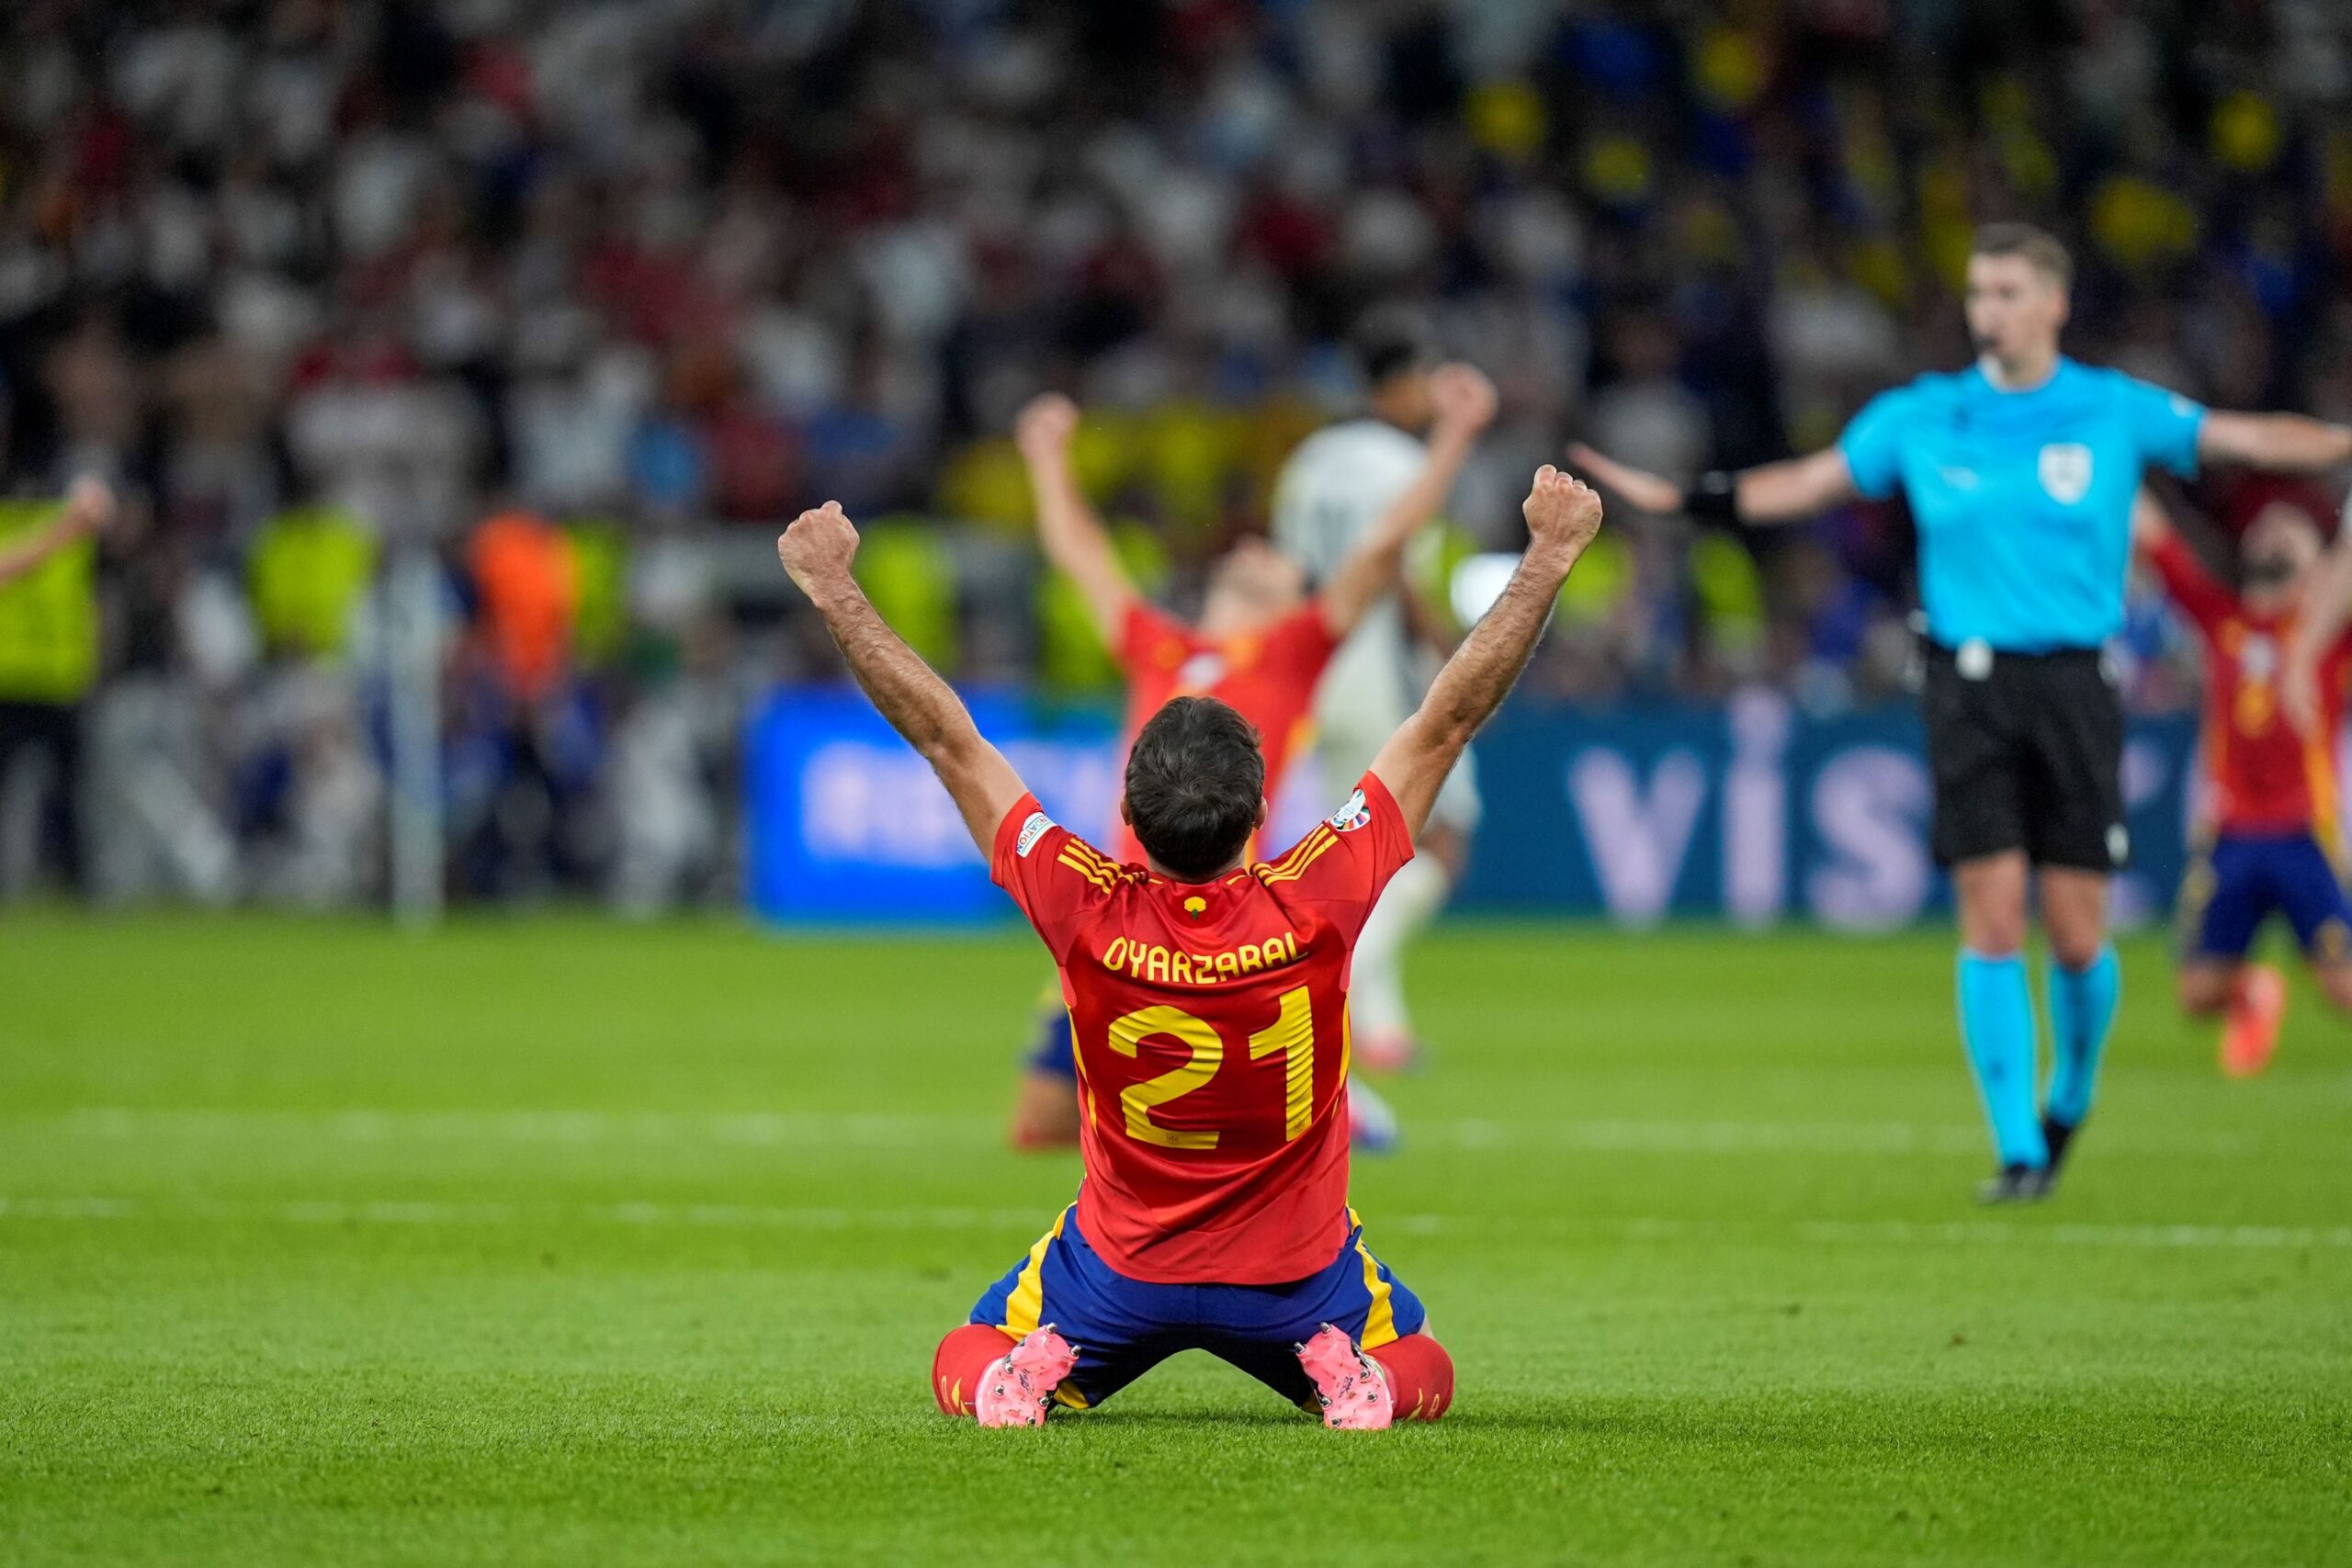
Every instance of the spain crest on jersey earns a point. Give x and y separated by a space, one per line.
1201 674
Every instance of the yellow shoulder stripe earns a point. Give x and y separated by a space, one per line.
1105 864
1292 873
1299 853
1099 861
1100 880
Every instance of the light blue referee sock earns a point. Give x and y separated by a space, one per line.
1997 1027
2082 1010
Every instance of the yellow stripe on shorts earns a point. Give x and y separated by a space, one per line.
1028 1298
1380 1321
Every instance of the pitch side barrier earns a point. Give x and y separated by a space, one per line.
1751 811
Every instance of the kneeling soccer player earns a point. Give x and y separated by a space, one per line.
1208 998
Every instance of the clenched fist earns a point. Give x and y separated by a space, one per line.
1562 511
818 546
89 507
1045 426
1462 399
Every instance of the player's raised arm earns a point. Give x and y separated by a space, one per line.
1563 516
1072 537
2279 443
2326 610
2188 582
1786 491
89 506
817 550
1465 405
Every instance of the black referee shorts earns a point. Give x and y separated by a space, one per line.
2027 752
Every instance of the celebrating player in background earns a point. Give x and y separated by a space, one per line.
1209 998
1330 500
2267 836
2020 473
2326 612
1260 646
89 506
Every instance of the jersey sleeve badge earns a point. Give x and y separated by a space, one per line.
1355 814
1030 832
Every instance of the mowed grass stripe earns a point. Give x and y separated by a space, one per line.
1890 1232
757 1129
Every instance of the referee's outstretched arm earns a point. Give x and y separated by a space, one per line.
1786 491
2293 443
2276 443
1802 487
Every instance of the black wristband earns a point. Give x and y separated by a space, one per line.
1714 497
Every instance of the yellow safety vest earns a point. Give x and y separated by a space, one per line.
310 566
49 617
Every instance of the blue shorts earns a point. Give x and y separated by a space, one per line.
1055 1051
2236 883
1121 1328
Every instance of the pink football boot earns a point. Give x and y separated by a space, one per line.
1350 1385
2251 1035
1019 1384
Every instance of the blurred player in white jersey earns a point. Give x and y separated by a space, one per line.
1332 492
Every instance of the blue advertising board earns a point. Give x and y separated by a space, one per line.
1755 813
845 822
1750 811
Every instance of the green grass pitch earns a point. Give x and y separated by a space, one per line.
548 1240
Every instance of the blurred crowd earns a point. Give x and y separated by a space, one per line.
570 303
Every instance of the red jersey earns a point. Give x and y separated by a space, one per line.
2263 776
1268 677
1210 1022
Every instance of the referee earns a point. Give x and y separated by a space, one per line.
2019 472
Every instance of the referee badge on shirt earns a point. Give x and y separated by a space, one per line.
2066 471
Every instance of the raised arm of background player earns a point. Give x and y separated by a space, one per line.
817 550
1802 487
1075 541
2327 609
1563 516
89 506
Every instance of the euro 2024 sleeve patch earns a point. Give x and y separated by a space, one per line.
1354 815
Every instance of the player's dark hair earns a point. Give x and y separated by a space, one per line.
1196 779
2036 245
1392 340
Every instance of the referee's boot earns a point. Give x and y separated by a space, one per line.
2059 1135
2017 1184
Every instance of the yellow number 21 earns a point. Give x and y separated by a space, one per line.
1292 1034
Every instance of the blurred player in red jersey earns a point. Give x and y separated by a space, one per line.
2268 839
1260 646
1209 996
